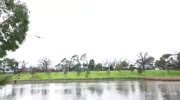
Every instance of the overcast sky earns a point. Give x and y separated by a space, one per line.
104 29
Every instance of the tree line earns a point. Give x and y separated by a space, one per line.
80 63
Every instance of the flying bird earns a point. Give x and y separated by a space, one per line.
37 36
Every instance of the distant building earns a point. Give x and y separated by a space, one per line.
148 66
59 67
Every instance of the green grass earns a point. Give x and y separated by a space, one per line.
96 75
4 79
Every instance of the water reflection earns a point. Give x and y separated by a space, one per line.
44 91
34 89
99 90
123 90
13 93
78 90
169 92
67 91
133 88
92 89
148 90
22 91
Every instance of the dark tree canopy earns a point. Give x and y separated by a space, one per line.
160 63
98 67
91 64
164 61
121 64
166 56
124 63
13 25
12 63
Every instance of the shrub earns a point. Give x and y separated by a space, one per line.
132 69
139 70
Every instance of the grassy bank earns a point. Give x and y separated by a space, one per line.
4 79
96 75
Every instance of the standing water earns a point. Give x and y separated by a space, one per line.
104 90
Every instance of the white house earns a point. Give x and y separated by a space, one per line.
7 69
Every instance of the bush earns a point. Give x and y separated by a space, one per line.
33 72
132 69
139 70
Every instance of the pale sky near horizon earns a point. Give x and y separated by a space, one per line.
103 29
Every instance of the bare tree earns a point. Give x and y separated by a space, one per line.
144 59
45 62
23 66
84 61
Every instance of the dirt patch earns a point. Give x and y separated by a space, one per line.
163 78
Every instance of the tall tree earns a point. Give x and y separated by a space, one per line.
121 64
76 62
178 57
63 63
11 63
91 64
160 63
118 66
66 65
98 67
124 64
163 61
84 61
13 25
23 66
144 59
174 61
177 62
45 62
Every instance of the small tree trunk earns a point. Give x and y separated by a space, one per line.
139 70
14 70
45 69
143 68
4 71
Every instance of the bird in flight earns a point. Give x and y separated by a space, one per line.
37 36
